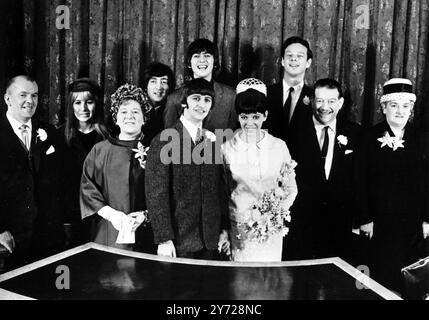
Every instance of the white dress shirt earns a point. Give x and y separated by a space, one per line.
295 95
321 137
16 125
191 128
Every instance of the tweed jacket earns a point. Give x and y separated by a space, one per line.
184 198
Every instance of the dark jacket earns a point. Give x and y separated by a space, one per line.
322 214
183 200
277 123
30 202
391 194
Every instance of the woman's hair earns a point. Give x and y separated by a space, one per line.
157 69
250 101
129 92
92 91
200 86
198 46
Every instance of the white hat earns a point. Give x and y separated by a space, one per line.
251 83
398 89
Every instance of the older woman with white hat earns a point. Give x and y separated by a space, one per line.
390 195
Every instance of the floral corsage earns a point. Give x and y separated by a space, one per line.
141 154
392 142
41 135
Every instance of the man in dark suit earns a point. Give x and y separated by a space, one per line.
183 189
289 100
30 206
324 150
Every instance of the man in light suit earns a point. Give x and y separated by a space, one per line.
30 205
289 100
325 152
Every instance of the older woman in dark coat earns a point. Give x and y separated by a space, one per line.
112 185
391 187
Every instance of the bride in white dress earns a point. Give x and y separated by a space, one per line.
254 162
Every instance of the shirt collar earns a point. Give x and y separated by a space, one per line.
16 125
319 126
296 88
190 127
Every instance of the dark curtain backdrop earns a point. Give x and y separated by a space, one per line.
113 41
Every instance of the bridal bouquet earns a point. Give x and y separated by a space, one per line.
270 213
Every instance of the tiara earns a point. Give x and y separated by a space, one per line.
251 83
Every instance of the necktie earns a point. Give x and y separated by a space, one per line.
199 138
288 105
325 145
25 137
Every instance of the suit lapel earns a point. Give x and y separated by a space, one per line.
300 103
314 148
14 140
35 149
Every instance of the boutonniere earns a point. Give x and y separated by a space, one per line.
342 140
141 154
391 142
41 135
210 136
306 100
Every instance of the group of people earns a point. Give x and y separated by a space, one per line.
208 172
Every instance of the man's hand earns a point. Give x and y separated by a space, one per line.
139 218
425 226
6 240
167 249
224 244
367 229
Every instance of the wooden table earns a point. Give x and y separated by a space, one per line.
94 271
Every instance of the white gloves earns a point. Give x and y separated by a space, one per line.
117 218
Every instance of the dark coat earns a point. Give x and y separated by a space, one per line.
73 156
184 200
277 123
391 194
30 202
322 214
222 114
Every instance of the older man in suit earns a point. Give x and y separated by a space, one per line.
289 100
30 205
325 152
183 189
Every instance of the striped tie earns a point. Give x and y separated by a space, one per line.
25 137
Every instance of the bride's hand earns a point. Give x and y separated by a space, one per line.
224 244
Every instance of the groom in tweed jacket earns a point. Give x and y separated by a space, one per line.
184 197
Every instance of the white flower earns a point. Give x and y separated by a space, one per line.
342 140
391 142
42 135
210 135
141 154
306 100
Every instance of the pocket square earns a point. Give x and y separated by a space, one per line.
348 151
50 150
